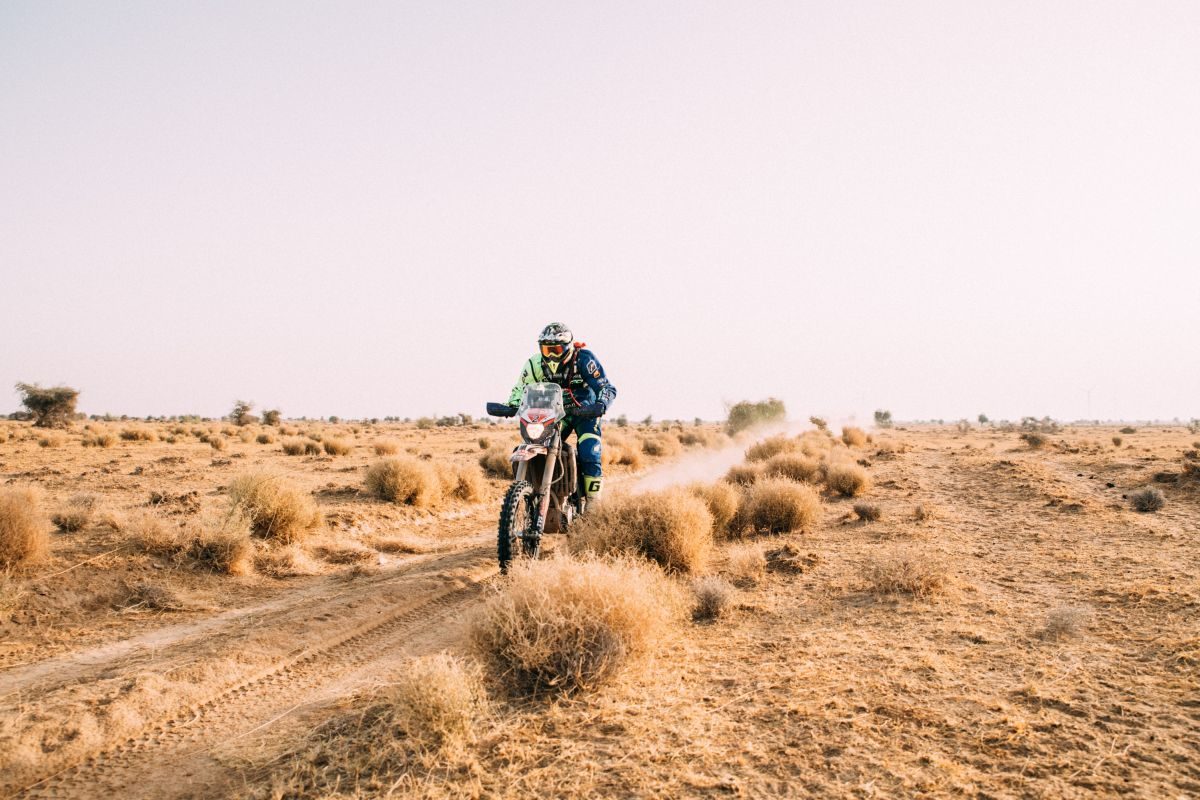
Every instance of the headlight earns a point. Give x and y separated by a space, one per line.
534 429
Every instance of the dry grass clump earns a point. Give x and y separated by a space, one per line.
768 448
630 457
386 447
793 466
722 501
1034 440
336 447
1064 622
52 440
673 528
216 443
405 480
906 571
495 462
265 438
854 437
847 479
777 505
139 435
437 702
868 512
24 534
661 446
924 512
75 514
461 482
276 510
563 625
1117 441
713 597
290 561
312 448
219 543
746 563
744 474
295 447
1147 500
99 439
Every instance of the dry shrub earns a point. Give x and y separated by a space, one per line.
246 435
854 437
52 440
868 512
713 596
437 702
295 447
386 447
265 438
746 563
216 443
744 474
793 466
847 479
924 512
220 543
768 448
312 448
630 457
290 561
484 442
151 533
777 505
461 482
75 514
405 480
564 625
1066 621
276 510
495 462
336 447
673 528
722 501
661 446
24 534
139 435
908 571
1147 500
1034 440
693 438
1117 440
99 439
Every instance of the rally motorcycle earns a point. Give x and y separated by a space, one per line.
547 489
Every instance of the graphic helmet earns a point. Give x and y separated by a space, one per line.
557 345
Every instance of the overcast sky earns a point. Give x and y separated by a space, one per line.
368 209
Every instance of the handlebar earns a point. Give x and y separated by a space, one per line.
501 410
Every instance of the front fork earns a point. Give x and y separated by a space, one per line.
542 495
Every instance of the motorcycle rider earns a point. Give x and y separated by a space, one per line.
587 394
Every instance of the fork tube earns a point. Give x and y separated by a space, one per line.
547 482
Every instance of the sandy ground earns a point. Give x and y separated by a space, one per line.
1061 659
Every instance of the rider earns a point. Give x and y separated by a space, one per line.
586 392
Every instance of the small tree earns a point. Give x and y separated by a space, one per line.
648 421
883 418
983 419
747 414
820 423
271 416
51 408
241 413
622 421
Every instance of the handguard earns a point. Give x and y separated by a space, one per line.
501 410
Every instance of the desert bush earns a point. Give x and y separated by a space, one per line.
1117 440
220 543
495 462
563 625
216 443
294 447
405 480
906 571
744 474
1128 430
139 435
336 447
1064 622
461 482
846 479
265 438
24 534
777 505
661 446
246 435
1034 439
713 597
51 440
819 423
853 437
99 439
747 414
722 500
883 418
312 448
271 416
435 704
673 528
151 533
1147 500
630 457
746 563
768 448
693 438
240 415
75 514
868 512
275 509
52 407
386 447
924 512
793 466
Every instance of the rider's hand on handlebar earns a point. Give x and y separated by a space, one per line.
591 410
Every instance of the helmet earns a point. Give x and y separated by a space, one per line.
557 345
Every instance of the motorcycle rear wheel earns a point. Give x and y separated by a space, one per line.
515 521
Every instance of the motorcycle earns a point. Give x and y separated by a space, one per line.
547 491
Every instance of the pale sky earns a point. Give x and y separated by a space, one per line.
366 209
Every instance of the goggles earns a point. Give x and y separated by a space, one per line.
553 350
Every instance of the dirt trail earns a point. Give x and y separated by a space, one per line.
303 649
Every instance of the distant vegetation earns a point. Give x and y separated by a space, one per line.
747 414
52 407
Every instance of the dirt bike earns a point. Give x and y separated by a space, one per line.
547 491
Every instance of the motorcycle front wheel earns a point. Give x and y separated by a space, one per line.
515 521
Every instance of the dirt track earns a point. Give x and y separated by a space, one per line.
309 647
